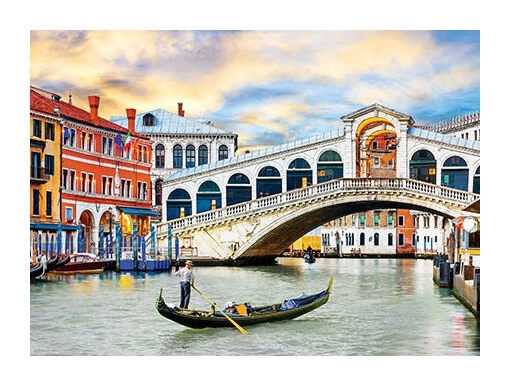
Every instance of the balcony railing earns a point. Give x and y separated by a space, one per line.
38 174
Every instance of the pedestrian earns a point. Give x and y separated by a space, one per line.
187 280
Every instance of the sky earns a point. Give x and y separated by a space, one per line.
268 86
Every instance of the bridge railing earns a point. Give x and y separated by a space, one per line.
342 185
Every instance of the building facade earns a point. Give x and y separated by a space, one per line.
180 143
100 179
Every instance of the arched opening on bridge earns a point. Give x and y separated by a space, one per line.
208 196
178 203
329 166
299 173
476 181
455 173
376 148
423 166
269 181
238 189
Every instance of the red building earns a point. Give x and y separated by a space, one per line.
102 177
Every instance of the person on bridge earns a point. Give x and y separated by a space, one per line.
187 280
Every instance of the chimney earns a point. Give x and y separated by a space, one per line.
131 114
181 111
94 107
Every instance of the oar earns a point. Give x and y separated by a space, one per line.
224 314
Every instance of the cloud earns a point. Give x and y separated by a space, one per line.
271 86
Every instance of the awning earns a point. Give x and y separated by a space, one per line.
138 211
52 227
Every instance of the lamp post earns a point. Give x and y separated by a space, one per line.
110 233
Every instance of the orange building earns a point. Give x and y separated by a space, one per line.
101 177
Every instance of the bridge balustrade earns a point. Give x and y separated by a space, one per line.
342 186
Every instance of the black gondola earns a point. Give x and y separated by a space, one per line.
246 315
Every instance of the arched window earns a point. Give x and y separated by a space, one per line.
160 156
222 152
390 239
422 166
269 181
299 174
376 238
238 189
178 201
203 155
362 238
177 157
476 181
149 120
208 196
454 173
329 167
190 156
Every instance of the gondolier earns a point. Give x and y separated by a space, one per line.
187 280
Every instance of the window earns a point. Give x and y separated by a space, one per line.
190 156
159 192
69 214
374 145
400 239
84 182
107 145
376 218
177 157
376 239
362 219
49 165
203 155
222 152
376 162
36 128
390 219
35 202
65 177
107 185
160 156
362 239
142 190
48 203
49 131
426 221
72 179
401 220
149 120
390 239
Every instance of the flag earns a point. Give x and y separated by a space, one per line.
127 141
118 142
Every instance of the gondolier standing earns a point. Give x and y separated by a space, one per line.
187 280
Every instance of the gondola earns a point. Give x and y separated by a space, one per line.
246 314
38 269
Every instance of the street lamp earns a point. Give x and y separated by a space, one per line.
110 233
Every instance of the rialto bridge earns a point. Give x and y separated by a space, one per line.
255 205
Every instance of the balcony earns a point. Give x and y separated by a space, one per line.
38 175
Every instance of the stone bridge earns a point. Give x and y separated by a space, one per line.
263 228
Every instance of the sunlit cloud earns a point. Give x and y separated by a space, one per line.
268 86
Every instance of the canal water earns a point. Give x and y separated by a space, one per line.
378 308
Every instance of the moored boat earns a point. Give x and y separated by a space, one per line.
245 314
82 263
